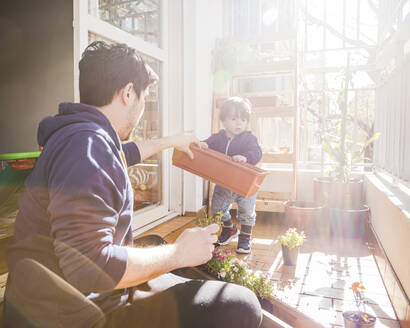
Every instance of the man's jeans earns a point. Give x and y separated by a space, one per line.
223 199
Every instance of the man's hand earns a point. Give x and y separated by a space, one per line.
239 159
195 246
183 141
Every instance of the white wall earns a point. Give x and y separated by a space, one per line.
202 25
36 65
390 218
175 95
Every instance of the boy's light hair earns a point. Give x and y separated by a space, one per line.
236 106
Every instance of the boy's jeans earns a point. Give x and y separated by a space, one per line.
222 200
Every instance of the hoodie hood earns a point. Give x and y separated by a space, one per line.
74 113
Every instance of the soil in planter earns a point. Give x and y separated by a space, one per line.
355 319
266 304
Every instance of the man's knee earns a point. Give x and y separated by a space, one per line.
242 307
218 304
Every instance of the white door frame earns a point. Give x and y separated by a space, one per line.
84 23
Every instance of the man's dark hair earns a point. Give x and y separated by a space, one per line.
236 106
106 68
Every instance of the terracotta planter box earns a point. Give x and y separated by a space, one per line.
243 179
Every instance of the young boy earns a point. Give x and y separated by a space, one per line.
236 141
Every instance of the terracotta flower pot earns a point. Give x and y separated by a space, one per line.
290 256
305 216
336 194
242 178
354 319
349 223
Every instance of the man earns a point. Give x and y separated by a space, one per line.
75 214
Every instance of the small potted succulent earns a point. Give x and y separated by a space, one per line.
291 241
359 318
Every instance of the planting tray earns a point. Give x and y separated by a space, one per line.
243 179
20 161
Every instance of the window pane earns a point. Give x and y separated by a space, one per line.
275 135
137 17
146 177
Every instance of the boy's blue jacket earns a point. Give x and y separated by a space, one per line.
75 213
245 144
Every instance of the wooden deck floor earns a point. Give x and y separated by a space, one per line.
319 284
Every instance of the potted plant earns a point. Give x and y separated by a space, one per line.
291 241
306 216
341 194
359 318
224 265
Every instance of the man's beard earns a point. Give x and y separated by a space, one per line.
127 135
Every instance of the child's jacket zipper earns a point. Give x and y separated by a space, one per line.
227 146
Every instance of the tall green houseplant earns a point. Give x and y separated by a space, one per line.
343 151
341 194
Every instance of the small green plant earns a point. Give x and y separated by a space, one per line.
227 267
291 238
207 220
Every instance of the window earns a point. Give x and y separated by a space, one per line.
137 17
139 24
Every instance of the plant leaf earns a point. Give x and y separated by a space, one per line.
372 139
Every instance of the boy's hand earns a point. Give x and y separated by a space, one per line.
239 159
203 145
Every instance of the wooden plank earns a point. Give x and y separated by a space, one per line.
263 69
277 158
267 205
273 195
280 111
270 205
198 214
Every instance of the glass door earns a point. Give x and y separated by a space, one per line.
139 24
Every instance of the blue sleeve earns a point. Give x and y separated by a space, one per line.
132 153
87 186
253 152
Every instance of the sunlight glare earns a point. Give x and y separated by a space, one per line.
270 16
262 241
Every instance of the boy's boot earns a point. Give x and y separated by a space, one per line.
229 232
244 240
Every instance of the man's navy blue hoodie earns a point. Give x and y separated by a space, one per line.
245 144
75 214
